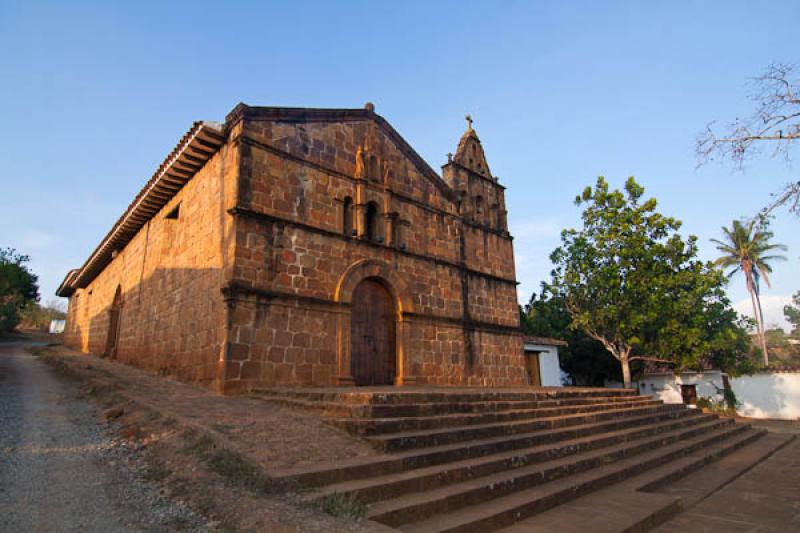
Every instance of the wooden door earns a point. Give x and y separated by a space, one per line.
532 366
689 393
372 335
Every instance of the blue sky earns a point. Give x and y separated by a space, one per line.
94 96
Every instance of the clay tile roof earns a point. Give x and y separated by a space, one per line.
195 148
547 341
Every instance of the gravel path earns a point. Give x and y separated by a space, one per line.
62 471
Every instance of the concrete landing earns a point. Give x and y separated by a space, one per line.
764 499
412 389
670 491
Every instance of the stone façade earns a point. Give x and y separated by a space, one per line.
260 253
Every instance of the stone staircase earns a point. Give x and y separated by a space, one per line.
482 460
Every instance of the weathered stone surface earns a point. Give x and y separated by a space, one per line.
467 459
251 284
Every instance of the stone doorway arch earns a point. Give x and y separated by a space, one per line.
372 295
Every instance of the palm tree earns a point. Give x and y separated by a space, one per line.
746 247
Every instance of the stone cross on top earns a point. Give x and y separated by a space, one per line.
469 121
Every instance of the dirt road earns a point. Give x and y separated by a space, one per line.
61 469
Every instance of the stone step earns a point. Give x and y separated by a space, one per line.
624 511
415 480
497 501
434 437
633 506
441 408
340 471
365 411
394 396
377 426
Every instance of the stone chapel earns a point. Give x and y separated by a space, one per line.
306 247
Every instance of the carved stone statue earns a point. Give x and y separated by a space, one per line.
361 164
387 173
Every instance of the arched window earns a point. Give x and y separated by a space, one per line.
479 209
347 216
372 232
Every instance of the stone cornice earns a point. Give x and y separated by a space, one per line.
245 139
301 114
256 215
234 291
491 180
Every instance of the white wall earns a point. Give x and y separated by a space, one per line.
667 387
549 367
769 395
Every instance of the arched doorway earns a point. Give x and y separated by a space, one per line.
112 340
373 354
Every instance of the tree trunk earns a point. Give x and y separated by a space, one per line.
747 270
626 371
762 337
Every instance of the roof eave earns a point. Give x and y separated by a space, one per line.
201 142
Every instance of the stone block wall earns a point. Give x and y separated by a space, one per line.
172 316
292 253
250 286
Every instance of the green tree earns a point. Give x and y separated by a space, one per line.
792 314
632 283
18 287
746 248
38 316
583 358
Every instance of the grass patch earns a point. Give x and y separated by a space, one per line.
228 464
235 468
342 505
223 428
198 446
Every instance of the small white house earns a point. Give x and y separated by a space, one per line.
57 326
541 361
685 387
771 394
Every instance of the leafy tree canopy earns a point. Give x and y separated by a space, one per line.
631 282
584 358
18 287
38 316
747 249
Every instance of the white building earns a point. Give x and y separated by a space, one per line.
772 394
685 387
541 361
